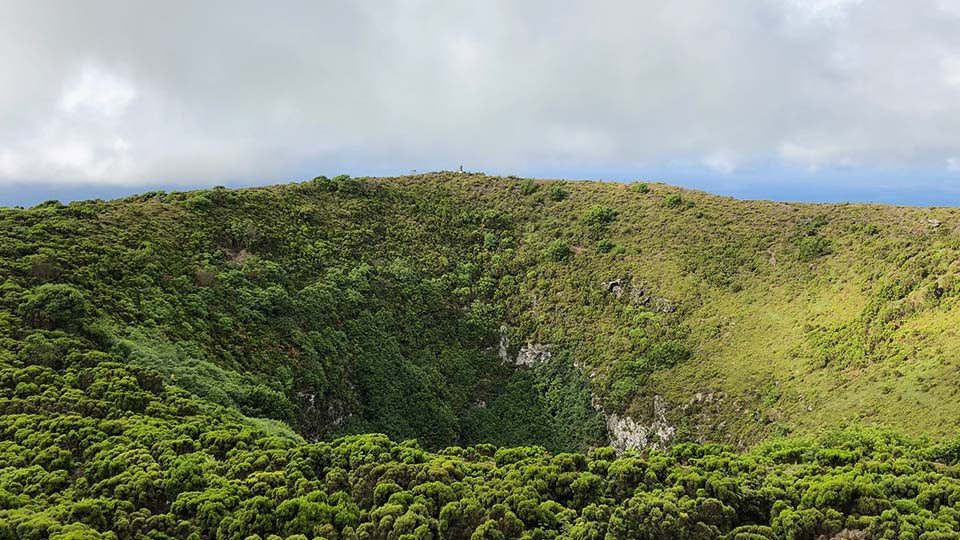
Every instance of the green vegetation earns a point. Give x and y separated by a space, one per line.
211 364
639 187
558 192
597 215
124 456
559 250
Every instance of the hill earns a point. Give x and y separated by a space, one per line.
354 305
172 344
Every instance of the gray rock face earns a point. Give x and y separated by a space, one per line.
626 433
532 354
528 356
613 287
503 349
662 305
640 296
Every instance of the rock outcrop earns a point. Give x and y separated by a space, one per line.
614 287
503 351
625 433
532 354
529 355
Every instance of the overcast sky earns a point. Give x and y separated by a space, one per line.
789 99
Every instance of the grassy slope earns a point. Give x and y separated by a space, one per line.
754 309
762 358
861 329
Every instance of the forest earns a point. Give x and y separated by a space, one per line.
457 355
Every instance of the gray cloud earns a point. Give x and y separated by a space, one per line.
133 92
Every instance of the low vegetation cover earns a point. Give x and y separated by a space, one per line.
218 363
104 450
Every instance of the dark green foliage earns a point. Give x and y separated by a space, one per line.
528 187
812 247
639 187
71 469
673 200
337 306
559 250
558 192
597 215
54 306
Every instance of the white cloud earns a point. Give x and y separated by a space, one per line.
98 92
9 164
950 65
828 10
223 90
813 156
721 162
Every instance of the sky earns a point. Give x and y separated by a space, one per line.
804 100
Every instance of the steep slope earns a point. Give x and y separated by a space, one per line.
645 314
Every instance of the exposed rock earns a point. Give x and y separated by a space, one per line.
662 305
503 351
337 414
626 433
640 296
705 398
528 356
934 223
614 287
532 354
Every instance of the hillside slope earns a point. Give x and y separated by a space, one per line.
168 360
463 308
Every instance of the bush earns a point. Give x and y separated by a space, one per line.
598 215
604 246
558 192
346 184
198 202
559 250
528 187
54 306
812 247
640 187
673 200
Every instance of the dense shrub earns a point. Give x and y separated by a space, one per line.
558 192
54 305
812 247
598 215
559 250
